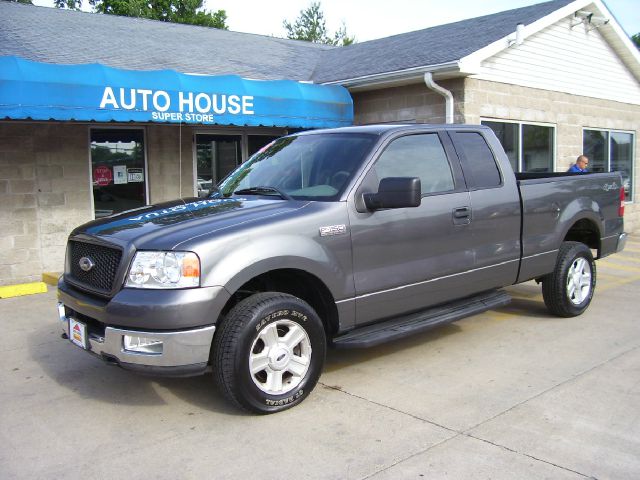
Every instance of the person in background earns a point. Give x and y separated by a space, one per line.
581 164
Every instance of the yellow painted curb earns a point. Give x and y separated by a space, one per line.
51 278
9 291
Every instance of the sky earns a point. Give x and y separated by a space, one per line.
369 19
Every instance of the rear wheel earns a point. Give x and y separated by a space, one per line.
269 352
568 290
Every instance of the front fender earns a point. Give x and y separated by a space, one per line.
329 261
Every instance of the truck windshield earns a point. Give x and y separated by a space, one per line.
304 167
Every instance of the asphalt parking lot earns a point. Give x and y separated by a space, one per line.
511 393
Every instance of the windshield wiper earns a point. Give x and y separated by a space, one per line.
263 190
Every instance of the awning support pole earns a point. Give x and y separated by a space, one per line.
448 96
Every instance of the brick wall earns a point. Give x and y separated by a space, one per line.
170 150
44 193
45 189
407 104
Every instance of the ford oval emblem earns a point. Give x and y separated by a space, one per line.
86 264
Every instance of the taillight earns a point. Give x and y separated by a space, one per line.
622 199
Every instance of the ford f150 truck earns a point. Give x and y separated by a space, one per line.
347 237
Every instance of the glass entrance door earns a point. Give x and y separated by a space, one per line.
117 170
216 157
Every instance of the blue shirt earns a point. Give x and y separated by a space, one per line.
576 168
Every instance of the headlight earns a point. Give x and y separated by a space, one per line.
164 270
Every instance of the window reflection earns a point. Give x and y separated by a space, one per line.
610 151
117 170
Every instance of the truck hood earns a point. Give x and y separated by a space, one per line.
164 225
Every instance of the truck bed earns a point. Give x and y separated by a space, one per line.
551 205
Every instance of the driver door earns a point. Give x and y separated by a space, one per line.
409 258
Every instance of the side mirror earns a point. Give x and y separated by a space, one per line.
395 192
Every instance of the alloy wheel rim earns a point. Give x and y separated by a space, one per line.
579 281
280 357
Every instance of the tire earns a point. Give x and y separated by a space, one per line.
568 290
269 352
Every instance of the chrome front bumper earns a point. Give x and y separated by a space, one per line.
184 352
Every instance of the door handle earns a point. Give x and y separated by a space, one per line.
462 215
461 212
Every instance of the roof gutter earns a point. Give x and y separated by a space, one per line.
448 96
389 78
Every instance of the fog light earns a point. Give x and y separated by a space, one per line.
62 313
148 346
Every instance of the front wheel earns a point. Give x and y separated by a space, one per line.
568 290
269 352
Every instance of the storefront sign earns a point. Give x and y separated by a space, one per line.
135 175
102 176
200 107
119 174
40 91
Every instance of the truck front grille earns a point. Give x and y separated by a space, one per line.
105 260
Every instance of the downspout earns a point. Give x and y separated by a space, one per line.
448 96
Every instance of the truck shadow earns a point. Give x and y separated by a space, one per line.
338 359
527 308
89 377
527 304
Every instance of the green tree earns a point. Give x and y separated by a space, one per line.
311 27
175 11
28 2
636 39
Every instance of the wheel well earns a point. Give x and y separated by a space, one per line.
297 283
584 231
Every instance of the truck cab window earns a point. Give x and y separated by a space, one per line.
419 156
480 160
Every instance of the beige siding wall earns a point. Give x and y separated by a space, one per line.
559 58
44 193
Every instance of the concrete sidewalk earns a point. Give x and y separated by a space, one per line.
512 393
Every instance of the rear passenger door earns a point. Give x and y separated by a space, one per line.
409 258
495 202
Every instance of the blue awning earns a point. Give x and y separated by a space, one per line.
42 91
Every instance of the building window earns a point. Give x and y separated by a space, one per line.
218 154
216 157
117 170
529 147
611 151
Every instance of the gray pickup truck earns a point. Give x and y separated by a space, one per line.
348 237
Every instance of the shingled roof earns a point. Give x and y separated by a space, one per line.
432 46
69 37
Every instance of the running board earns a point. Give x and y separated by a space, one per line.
407 325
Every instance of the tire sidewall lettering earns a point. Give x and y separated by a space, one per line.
292 315
295 396
284 401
